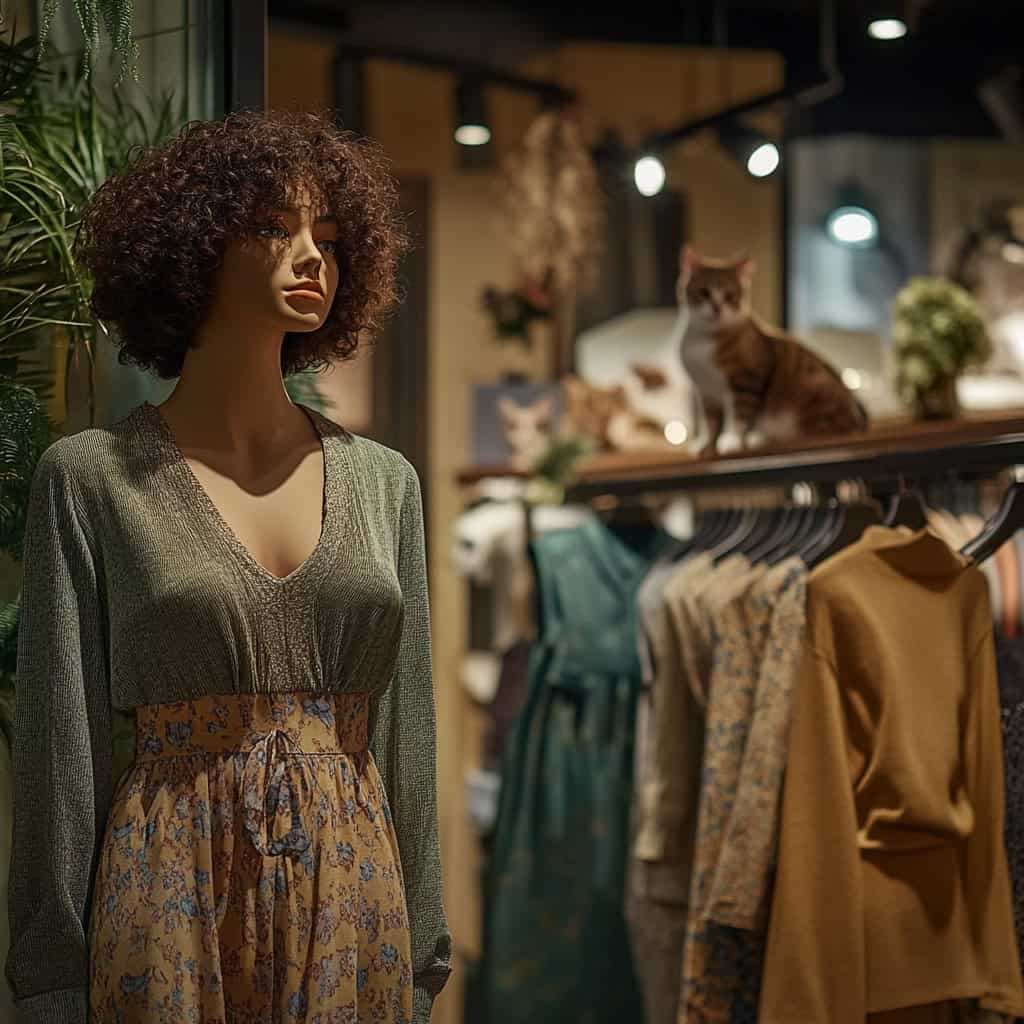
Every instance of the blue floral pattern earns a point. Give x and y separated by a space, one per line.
756 640
250 872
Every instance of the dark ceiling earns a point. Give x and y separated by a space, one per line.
924 84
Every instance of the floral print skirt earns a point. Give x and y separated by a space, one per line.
249 872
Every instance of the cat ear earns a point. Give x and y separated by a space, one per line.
507 407
745 267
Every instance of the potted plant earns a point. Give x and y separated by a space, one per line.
938 332
58 143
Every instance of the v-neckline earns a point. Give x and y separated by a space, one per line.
198 491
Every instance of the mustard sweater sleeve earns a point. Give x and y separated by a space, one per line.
986 873
814 969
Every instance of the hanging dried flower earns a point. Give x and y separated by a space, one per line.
553 205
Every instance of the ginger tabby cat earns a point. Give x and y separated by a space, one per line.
753 379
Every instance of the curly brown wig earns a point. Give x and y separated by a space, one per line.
152 237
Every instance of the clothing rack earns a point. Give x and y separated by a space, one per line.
972 446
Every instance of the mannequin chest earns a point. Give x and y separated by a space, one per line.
278 522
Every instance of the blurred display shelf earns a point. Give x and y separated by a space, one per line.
977 442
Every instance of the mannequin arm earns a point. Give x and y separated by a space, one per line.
404 746
61 754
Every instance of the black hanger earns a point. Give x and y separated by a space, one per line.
802 520
777 524
784 526
707 526
744 528
824 525
907 508
766 527
818 522
726 520
1001 527
855 519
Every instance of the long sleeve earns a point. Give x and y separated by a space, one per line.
404 746
61 754
742 884
815 968
986 868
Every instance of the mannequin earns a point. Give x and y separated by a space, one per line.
247 578
265 470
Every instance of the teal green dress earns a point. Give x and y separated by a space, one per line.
556 946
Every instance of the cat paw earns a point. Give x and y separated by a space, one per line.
729 443
755 439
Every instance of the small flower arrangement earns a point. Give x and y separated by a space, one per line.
513 311
938 331
555 470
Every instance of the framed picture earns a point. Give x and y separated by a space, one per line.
510 416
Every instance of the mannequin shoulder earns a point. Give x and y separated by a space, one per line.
95 462
375 459
386 479
84 456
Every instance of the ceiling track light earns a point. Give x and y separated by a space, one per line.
852 223
472 126
887 20
757 154
887 29
649 175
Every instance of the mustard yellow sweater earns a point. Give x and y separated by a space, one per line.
892 886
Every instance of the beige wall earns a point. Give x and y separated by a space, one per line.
965 175
462 258
410 111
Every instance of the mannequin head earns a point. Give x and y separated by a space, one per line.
226 219
293 245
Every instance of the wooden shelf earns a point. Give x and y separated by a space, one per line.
976 443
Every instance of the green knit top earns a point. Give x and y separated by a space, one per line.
136 591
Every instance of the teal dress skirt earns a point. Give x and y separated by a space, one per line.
556 945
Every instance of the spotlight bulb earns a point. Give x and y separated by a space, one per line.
853 226
472 135
887 29
764 161
649 175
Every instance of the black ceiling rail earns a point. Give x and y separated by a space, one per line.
313 13
489 74
823 87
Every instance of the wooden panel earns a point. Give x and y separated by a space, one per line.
411 112
299 69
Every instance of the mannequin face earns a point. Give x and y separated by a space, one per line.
290 247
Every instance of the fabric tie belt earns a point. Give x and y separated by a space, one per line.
268 792
278 740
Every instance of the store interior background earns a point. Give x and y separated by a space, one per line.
909 127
